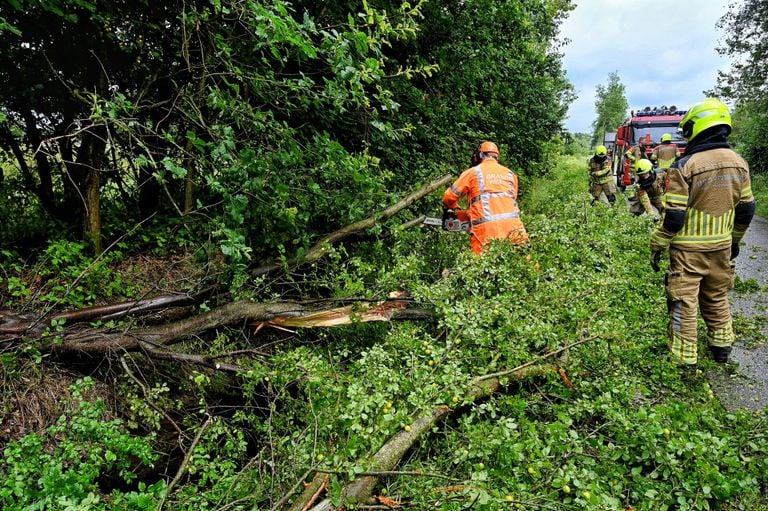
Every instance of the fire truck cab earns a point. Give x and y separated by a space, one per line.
648 125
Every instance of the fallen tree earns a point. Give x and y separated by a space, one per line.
360 490
154 341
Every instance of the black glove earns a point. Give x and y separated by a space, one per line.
655 258
448 214
734 250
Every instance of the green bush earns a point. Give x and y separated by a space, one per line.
62 468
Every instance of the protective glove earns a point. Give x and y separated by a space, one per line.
654 259
734 250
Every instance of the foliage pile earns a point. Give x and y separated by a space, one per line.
626 430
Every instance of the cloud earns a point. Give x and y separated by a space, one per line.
664 52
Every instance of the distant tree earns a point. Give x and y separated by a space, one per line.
576 143
611 107
746 45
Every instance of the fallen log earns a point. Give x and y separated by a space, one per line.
360 490
155 341
14 324
320 248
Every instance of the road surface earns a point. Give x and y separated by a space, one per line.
744 385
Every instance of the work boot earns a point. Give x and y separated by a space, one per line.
720 353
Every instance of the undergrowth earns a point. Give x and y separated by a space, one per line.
621 428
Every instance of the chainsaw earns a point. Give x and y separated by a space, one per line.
452 221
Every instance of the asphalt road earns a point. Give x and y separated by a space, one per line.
744 384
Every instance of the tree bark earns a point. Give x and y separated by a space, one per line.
389 455
320 248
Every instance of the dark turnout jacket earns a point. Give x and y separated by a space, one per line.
708 202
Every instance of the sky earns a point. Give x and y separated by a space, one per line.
665 52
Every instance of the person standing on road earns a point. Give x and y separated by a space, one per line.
708 206
491 191
600 180
650 189
665 153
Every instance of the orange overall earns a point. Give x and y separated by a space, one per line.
491 191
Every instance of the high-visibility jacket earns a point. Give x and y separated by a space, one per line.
599 171
702 200
665 154
491 191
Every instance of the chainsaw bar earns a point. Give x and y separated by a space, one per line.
449 224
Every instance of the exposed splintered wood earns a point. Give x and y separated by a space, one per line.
154 341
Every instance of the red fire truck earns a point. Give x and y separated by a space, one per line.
648 124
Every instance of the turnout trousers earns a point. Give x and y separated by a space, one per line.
698 281
596 189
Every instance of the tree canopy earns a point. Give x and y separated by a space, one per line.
746 46
611 106
261 125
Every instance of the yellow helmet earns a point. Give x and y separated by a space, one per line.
704 115
601 150
643 166
666 137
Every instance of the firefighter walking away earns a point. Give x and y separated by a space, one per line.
708 206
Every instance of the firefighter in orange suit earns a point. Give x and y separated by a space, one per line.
491 191
708 206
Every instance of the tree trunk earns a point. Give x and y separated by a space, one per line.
93 148
44 171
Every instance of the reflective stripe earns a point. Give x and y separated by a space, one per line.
677 199
701 240
723 337
666 163
485 199
492 195
746 193
659 241
456 190
491 218
703 228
